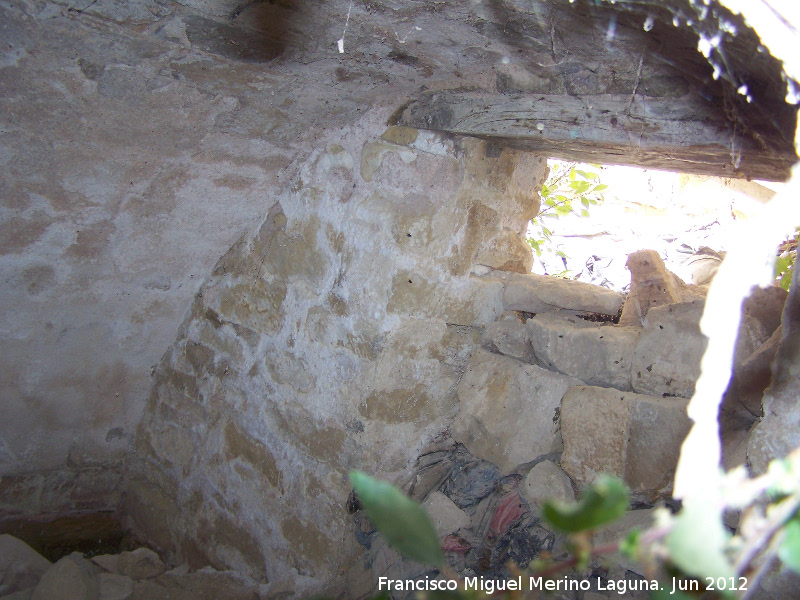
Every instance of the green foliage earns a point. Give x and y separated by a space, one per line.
568 190
789 551
602 503
403 522
784 263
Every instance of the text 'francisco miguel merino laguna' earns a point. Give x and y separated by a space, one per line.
620 586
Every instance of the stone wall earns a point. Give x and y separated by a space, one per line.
332 338
141 140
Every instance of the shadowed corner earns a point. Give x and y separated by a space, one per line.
257 31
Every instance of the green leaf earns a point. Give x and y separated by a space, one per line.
582 174
697 542
585 201
590 175
584 213
781 265
546 231
550 202
403 522
545 190
629 546
562 255
580 187
789 552
599 187
563 209
606 500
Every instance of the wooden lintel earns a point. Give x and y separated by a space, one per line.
674 134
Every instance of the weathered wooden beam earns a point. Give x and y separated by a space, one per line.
676 134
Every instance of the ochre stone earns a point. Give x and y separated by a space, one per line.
651 285
254 452
399 405
397 134
307 542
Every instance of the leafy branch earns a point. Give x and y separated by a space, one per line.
568 190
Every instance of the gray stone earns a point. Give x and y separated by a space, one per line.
539 293
779 583
66 580
597 354
509 336
668 354
114 587
631 436
765 305
734 448
21 566
778 433
546 481
141 563
447 518
667 357
508 411
742 402
107 562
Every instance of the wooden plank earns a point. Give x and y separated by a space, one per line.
661 133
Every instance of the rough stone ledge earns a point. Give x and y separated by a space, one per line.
540 293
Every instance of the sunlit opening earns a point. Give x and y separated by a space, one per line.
593 216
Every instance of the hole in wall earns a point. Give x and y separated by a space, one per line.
90 534
593 216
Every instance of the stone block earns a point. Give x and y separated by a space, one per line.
779 431
507 251
66 580
141 563
546 481
447 518
540 293
508 335
765 305
668 354
631 436
651 285
669 351
597 354
21 566
114 587
508 410
778 583
741 404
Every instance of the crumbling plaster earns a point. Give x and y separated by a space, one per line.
141 142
